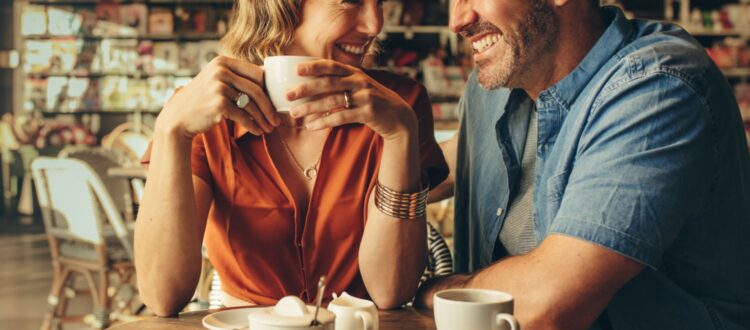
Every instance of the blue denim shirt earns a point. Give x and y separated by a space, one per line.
640 150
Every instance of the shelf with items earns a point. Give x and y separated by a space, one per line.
98 75
722 27
148 2
417 42
113 58
108 112
154 37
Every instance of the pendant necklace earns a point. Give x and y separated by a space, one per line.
309 172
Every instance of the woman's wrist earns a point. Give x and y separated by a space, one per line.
168 129
406 130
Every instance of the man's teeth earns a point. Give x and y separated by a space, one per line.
486 42
357 50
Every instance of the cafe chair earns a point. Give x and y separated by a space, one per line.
88 240
130 139
101 160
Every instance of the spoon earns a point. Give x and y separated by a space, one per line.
319 299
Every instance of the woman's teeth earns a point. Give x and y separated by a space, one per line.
486 42
356 50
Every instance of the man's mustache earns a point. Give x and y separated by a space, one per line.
479 28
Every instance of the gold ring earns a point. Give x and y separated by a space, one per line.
347 100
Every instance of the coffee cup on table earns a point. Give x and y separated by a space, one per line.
475 309
281 75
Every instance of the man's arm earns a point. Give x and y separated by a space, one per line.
565 283
445 189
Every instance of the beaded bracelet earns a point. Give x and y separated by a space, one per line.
407 206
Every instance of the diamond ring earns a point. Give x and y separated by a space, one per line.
242 100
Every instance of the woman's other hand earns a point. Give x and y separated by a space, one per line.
370 103
212 95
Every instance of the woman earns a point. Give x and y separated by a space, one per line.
285 199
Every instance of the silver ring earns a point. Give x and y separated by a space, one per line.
242 100
347 100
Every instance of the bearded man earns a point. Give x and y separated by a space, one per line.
601 172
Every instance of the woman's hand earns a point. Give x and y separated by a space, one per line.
212 95
371 103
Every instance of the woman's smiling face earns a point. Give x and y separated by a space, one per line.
342 30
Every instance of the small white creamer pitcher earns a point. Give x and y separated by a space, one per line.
353 313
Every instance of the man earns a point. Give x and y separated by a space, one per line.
601 173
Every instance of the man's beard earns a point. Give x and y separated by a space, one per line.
534 38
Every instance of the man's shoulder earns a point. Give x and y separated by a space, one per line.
662 48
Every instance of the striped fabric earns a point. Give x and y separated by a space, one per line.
439 260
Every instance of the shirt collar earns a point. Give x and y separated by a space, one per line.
567 90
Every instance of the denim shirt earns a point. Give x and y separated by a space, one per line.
641 150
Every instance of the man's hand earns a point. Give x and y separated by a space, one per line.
434 285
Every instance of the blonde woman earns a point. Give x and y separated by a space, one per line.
284 199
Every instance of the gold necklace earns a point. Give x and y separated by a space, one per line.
308 172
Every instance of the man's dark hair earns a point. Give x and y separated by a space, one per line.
595 3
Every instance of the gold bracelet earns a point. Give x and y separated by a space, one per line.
407 206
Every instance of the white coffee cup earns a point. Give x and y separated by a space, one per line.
353 313
281 75
474 309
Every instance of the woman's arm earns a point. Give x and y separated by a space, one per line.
172 218
170 226
392 255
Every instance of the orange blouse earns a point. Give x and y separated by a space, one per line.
259 250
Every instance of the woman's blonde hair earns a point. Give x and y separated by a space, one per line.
261 28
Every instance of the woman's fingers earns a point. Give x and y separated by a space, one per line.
230 111
324 68
325 85
256 94
242 116
335 119
321 105
247 70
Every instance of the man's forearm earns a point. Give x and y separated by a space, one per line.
552 286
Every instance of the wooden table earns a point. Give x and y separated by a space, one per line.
401 319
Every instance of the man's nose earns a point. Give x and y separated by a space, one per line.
462 15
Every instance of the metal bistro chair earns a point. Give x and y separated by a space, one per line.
87 237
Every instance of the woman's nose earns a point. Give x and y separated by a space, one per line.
371 19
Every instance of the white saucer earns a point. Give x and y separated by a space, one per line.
232 319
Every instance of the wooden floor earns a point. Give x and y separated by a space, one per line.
26 277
